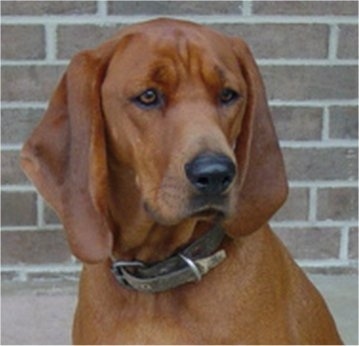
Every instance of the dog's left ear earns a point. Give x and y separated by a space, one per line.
262 179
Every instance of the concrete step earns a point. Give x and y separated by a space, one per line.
41 313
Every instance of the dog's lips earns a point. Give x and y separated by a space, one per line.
208 213
208 208
209 204
199 209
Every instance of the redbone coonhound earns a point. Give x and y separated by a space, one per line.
158 153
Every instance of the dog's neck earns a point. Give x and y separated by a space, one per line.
151 242
190 264
137 236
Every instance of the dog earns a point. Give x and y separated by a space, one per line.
158 153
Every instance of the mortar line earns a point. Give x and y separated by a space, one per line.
333 42
326 124
317 224
51 59
333 143
51 43
314 103
40 212
22 105
313 204
323 183
102 8
51 268
247 7
31 228
344 244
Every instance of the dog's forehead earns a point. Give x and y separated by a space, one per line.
162 33
151 45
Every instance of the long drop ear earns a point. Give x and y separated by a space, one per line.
263 183
65 156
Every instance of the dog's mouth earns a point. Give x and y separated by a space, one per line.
204 207
209 213
209 206
197 209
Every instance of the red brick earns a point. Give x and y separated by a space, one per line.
338 204
23 42
353 243
343 123
288 42
321 163
298 123
11 174
348 42
174 7
296 207
41 8
306 7
34 247
17 124
75 38
18 209
311 243
310 82
29 83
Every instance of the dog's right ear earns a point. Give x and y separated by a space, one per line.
65 156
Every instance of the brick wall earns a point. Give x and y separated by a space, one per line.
307 52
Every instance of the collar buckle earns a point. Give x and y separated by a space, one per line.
118 267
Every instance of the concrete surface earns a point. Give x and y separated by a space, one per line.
41 313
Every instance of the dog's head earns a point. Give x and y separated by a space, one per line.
168 117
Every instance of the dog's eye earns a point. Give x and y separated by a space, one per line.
150 98
227 96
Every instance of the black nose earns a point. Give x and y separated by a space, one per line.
211 173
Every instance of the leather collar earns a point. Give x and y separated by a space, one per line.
189 265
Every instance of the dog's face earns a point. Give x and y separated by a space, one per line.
181 105
162 126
